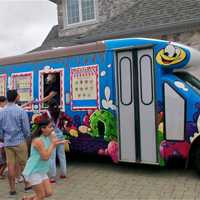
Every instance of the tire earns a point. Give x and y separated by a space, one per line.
197 159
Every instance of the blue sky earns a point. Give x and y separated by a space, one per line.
24 24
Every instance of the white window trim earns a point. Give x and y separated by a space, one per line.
29 108
81 22
4 76
41 86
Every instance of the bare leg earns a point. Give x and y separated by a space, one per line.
18 170
2 168
11 176
39 191
29 198
21 158
47 188
42 190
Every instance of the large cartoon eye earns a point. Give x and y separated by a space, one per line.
178 52
170 51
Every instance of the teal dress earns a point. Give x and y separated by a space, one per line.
35 163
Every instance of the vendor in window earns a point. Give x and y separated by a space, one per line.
52 88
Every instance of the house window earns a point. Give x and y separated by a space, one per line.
87 9
79 11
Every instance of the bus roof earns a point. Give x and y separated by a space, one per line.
78 50
99 46
54 53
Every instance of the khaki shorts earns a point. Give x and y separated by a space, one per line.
17 154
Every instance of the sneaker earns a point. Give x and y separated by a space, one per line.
20 179
63 176
28 189
52 180
12 193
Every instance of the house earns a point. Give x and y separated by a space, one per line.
83 21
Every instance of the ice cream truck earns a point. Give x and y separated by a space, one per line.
135 100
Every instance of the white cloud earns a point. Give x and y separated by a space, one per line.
24 24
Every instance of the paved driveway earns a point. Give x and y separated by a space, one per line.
95 180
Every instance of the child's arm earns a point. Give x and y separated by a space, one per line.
46 153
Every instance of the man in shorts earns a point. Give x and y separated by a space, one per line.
15 131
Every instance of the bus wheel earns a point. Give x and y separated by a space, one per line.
197 159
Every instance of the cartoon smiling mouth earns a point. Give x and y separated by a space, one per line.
165 61
170 55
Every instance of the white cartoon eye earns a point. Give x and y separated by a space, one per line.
178 52
198 124
170 50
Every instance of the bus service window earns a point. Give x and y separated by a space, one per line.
51 88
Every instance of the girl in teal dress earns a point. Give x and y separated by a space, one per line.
35 172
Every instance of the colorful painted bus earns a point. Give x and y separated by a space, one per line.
136 100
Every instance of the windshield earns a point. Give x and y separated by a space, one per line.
190 79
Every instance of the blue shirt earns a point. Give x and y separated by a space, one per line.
59 134
14 125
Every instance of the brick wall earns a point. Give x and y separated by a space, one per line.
110 8
189 38
105 10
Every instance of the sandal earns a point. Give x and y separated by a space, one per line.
28 189
28 198
12 193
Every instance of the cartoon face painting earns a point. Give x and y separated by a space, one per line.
170 55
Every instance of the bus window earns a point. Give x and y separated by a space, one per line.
174 124
3 78
23 83
189 79
51 82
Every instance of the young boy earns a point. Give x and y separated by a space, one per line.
3 102
2 160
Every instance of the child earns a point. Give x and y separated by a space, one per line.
3 102
60 121
37 166
2 160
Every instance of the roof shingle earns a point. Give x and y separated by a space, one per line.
145 17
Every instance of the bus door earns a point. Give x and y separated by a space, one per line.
136 111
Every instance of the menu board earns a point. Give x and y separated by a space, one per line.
3 85
84 87
23 84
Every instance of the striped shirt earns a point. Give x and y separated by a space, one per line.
14 125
